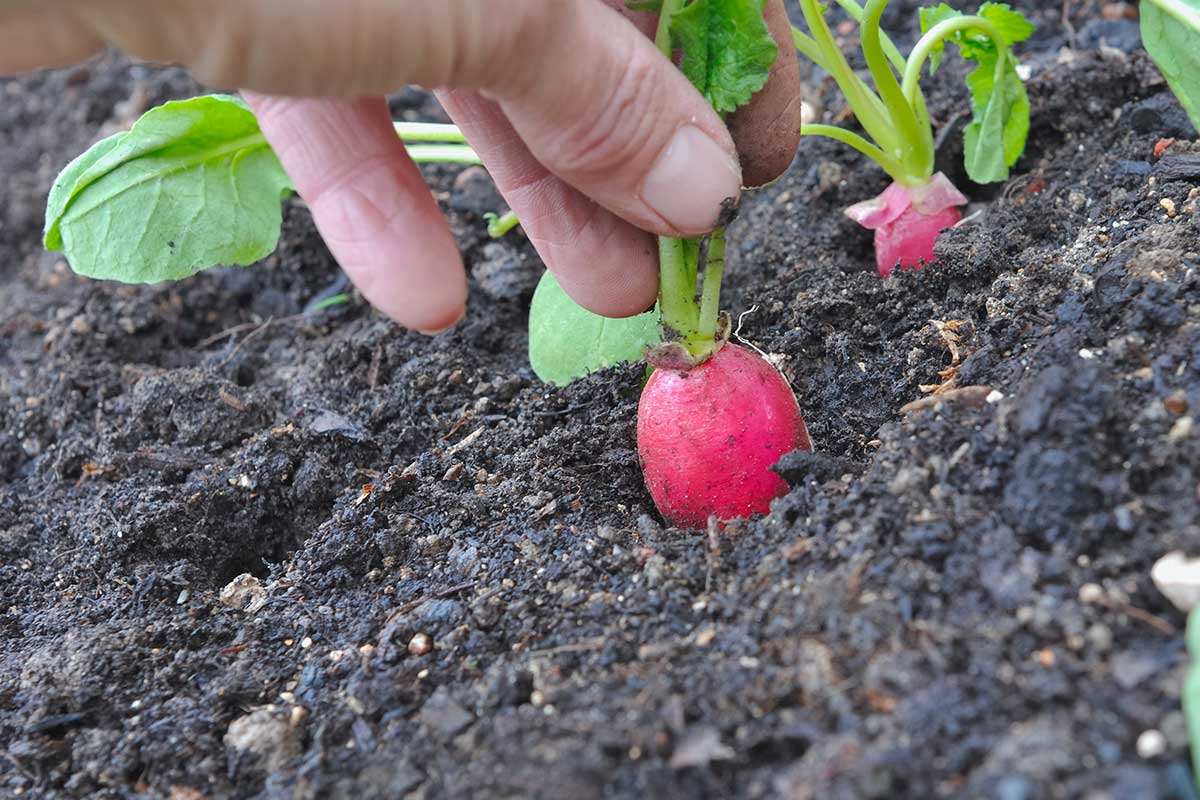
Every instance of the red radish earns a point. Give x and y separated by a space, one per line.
709 435
909 239
908 220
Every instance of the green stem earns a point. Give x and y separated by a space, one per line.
329 302
808 48
676 282
443 154
911 150
935 36
676 298
429 132
497 225
1191 690
890 165
893 53
662 37
868 108
898 61
710 296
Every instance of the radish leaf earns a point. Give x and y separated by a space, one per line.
995 137
1171 35
566 341
191 185
727 49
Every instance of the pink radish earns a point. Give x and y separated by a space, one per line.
709 435
907 220
908 240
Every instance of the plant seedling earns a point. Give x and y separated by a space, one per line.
910 214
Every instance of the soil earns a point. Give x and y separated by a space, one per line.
953 601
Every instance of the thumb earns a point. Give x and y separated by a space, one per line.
610 115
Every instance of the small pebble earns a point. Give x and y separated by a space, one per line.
420 644
1091 593
1180 430
1178 578
1176 403
1151 744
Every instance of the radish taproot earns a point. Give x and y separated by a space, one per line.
709 435
910 215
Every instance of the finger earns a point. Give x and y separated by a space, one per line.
644 21
593 99
767 131
604 263
370 204
31 38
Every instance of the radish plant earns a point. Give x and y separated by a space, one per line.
713 417
909 215
194 184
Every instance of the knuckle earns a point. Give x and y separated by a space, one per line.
613 130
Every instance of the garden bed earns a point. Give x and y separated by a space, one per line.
953 601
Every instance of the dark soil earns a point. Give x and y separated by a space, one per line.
906 623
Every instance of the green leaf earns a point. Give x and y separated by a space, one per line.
653 6
930 17
727 49
566 341
995 137
1171 35
192 184
1012 24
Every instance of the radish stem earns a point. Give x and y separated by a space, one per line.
910 150
676 294
498 225
871 112
889 164
937 34
443 154
429 132
710 297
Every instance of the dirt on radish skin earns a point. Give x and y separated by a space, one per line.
708 437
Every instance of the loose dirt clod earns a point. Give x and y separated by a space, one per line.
267 732
243 592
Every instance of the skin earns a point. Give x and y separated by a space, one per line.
573 110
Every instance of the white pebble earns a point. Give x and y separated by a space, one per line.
1151 744
1178 578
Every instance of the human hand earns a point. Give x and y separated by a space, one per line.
591 135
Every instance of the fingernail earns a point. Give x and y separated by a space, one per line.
461 316
691 179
